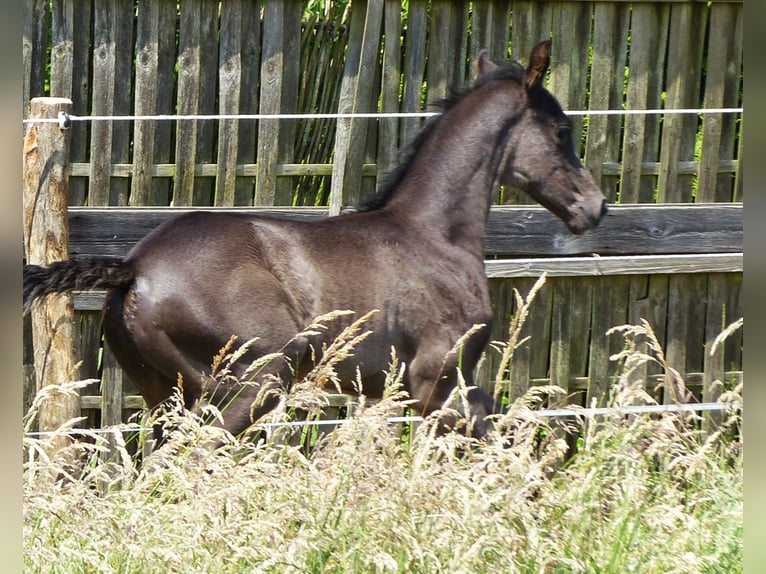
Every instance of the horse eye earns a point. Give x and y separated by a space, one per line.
563 132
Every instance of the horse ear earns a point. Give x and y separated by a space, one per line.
482 65
538 64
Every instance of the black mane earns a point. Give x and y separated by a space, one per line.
391 181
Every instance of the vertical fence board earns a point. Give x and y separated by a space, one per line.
273 99
610 33
561 332
112 391
356 96
581 330
685 331
687 23
490 29
147 88
714 360
104 70
482 30
443 48
521 366
164 132
531 24
229 95
414 68
187 102
204 187
646 58
87 350
119 187
502 306
79 148
249 81
67 34
36 23
739 191
569 59
721 90
392 58
610 309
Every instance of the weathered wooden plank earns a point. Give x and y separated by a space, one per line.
685 326
356 96
204 188
290 83
570 53
636 229
414 68
610 309
685 43
162 170
610 32
281 55
128 226
103 84
250 74
738 176
646 59
490 27
562 336
722 83
714 363
66 81
111 390
503 308
511 231
36 24
615 265
187 102
538 328
536 324
147 88
162 187
391 81
229 75
532 23
87 350
580 330
119 190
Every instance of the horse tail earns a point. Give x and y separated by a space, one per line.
63 276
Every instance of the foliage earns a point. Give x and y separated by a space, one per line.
641 494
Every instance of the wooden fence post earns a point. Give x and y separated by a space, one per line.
46 239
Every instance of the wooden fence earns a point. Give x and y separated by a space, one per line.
120 57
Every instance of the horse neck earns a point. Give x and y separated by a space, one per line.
448 186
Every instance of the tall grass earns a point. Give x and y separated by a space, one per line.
641 494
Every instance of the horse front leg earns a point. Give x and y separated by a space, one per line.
433 380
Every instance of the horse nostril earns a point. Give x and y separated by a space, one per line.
604 208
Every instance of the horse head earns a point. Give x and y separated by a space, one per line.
539 156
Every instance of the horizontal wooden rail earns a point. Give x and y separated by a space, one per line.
368 169
521 241
512 231
559 267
